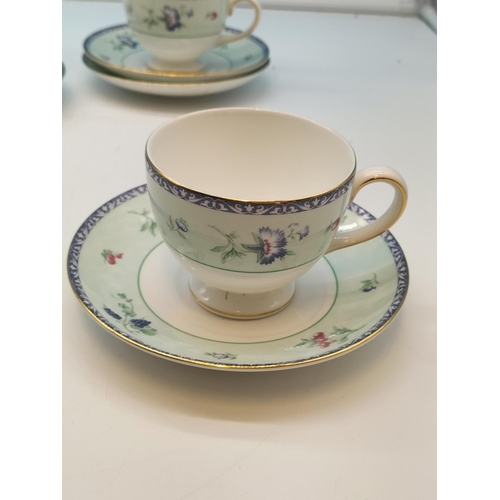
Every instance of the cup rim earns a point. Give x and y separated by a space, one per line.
177 185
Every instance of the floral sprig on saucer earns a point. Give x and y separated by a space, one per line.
123 40
369 285
221 355
128 318
320 339
179 226
110 257
149 223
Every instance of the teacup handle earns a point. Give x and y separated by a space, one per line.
383 223
229 39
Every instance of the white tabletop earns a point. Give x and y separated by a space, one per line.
362 426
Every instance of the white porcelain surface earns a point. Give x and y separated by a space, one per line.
173 89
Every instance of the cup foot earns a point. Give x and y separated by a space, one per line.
163 66
240 305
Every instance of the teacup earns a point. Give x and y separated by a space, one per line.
248 200
177 32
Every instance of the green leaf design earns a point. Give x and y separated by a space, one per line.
152 228
121 295
145 226
257 239
251 248
181 234
230 255
303 343
218 249
289 252
239 254
148 330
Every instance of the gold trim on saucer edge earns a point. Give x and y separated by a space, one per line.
235 367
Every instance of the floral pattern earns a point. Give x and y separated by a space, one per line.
333 225
229 250
170 16
179 226
212 15
369 285
269 244
123 40
221 355
149 223
320 339
111 257
107 316
128 318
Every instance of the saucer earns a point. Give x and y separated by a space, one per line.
172 89
129 282
116 50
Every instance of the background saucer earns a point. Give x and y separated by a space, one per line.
116 50
173 89
127 280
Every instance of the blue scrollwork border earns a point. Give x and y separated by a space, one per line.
247 208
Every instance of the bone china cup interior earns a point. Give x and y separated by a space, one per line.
248 200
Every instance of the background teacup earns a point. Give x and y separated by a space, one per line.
248 200
177 32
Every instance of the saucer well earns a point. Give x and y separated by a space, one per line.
126 278
116 50
180 89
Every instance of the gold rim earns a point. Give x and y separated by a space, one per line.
387 180
258 202
232 367
93 66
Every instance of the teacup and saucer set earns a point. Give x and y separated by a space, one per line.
179 49
244 251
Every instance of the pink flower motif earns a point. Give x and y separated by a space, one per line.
335 224
111 257
319 335
213 16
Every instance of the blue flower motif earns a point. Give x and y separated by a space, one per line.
220 355
171 17
140 323
304 233
128 41
182 225
112 313
270 244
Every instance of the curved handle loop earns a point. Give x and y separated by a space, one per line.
382 224
229 39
